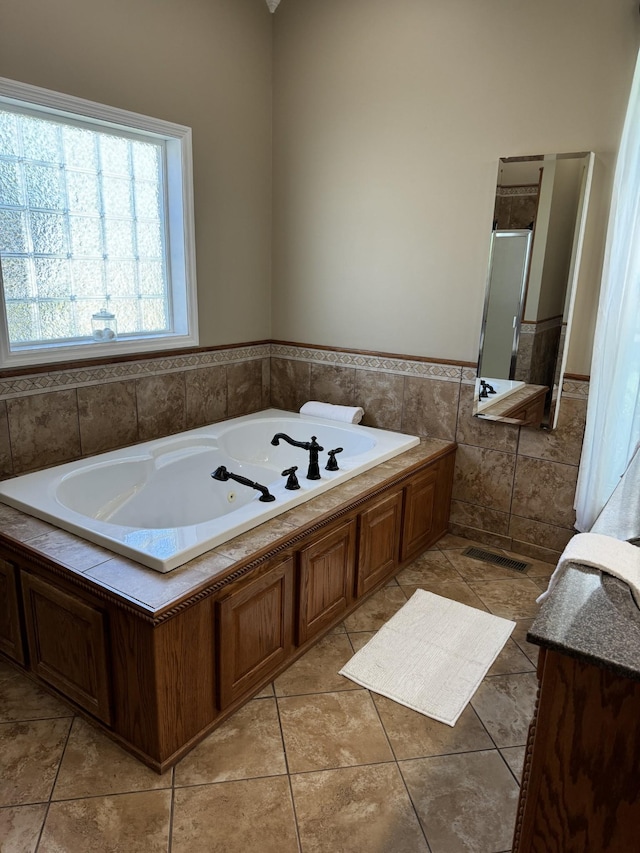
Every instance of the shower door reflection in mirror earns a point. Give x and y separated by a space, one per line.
508 268
538 227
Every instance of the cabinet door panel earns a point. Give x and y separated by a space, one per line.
379 542
327 570
580 781
67 647
418 530
255 629
10 630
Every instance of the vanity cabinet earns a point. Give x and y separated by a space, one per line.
10 622
67 643
158 680
379 542
580 789
254 623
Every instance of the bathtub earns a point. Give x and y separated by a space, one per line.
157 503
502 387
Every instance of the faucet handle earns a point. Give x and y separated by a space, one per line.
332 464
292 481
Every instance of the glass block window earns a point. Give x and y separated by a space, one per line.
92 218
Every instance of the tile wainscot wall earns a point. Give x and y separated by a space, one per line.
513 487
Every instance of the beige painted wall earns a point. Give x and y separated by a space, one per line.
203 63
389 118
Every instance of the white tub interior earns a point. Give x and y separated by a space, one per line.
502 387
157 502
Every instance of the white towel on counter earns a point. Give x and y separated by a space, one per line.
613 556
346 414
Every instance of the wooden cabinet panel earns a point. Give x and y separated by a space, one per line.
10 629
66 638
580 791
327 569
164 686
531 412
427 504
379 542
255 626
418 529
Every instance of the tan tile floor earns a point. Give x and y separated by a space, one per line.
313 764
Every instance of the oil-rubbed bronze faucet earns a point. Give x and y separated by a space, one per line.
332 464
223 475
312 446
485 390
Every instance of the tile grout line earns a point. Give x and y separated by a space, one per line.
216 782
397 766
507 763
53 786
413 806
288 772
490 736
172 809
36 719
513 484
126 793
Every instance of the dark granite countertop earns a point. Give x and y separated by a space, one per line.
590 615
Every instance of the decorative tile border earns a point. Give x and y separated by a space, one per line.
360 361
469 375
577 389
40 383
516 189
57 380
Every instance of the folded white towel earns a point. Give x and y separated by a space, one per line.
613 556
347 414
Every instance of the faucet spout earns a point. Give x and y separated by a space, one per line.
222 474
312 446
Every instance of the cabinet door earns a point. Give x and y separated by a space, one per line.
379 542
255 624
419 529
580 781
10 631
327 569
531 412
67 647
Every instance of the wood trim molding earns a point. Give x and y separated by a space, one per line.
578 377
155 355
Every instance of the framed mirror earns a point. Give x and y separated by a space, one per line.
536 241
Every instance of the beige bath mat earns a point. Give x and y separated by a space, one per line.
431 656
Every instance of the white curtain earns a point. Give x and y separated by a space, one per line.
613 413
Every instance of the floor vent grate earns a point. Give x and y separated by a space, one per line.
496 559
